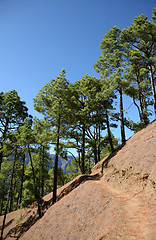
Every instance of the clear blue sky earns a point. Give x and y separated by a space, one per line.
40 37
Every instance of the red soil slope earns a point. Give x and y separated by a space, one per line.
120 204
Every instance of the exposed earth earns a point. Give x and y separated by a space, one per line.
117 201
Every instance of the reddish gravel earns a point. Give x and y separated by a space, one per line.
121 204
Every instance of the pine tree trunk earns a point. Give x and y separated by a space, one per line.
11 186
4 218
22 180
56 161
1 143
95 145
79 160
32 167
83 151
123 139
95 153
1 154
79 156
89 165
42 174
99 139
141 106
36 193
1 207
153 88
138 109
9 193
109 131
143 117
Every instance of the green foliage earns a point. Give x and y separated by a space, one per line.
112 61
12 114
50 179
73 170
134 126
12 111
53 102
52 99
5 180
140 38
106 150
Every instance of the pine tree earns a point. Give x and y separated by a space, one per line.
27 141
141 35
111 66
139 88
42 134
53 102
12 114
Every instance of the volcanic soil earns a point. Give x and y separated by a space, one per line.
117 201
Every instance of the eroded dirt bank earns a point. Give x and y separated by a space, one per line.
97 210
120 204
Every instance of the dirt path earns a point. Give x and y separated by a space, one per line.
139 220
100 212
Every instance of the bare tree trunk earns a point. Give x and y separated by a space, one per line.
138 110
109 131
153 88
22 180
143 116
1 208
1 154
36 193
95 153
11 185
83 150
1 143
79 160
4 218
56 161
6 208
123 139
141 107
99 139
94 145
42 174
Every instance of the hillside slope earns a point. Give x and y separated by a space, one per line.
120 204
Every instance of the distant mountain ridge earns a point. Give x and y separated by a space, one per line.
61 162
